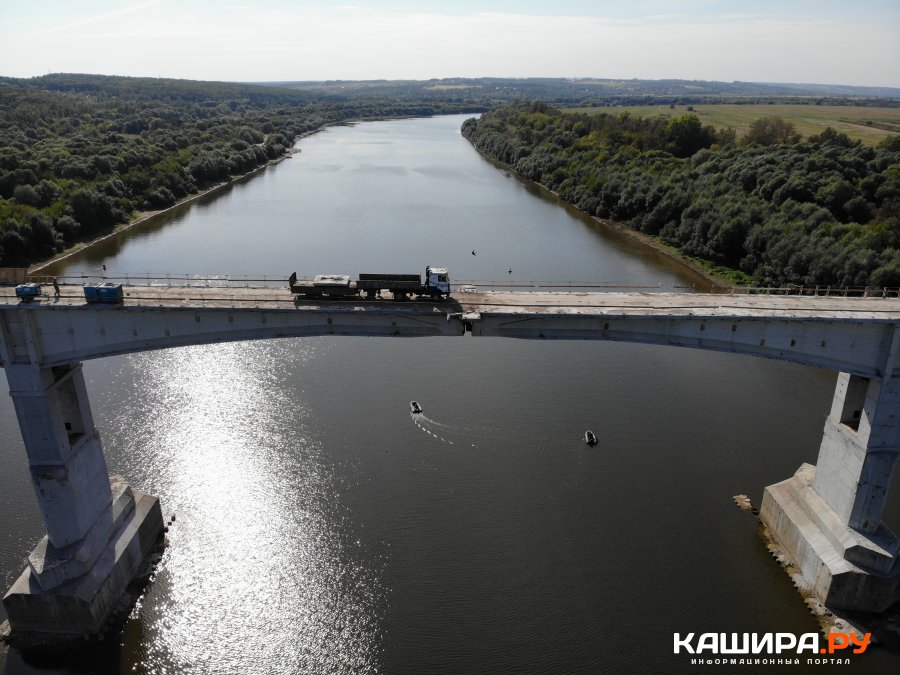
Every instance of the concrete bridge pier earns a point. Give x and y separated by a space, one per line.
99 530
828 517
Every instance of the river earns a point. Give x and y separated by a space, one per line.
320 528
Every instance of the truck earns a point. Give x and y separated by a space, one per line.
370 285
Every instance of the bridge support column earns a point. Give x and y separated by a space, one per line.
828 516
99 530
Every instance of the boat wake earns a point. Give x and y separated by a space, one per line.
494 432
441 432
469 435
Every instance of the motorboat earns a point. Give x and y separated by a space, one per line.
414 407
590 438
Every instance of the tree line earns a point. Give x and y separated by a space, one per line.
771 208
80 154
493 91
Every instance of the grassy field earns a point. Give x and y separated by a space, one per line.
870 125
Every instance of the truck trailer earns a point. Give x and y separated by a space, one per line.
370 285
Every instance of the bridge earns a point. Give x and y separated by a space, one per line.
828 517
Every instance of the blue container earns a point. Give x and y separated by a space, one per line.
107 292
92 293
110 292
28 291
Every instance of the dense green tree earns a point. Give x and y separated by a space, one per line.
824 211
84 152
26 194
771 131
685 135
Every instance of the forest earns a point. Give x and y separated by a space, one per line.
600 92
80 154
769 208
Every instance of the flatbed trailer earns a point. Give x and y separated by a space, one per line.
399 285
372 285
323 285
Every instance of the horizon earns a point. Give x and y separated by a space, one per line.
600 78
824 42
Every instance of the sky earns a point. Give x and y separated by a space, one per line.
820 41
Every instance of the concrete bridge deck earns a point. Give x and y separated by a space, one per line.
507 302
845 334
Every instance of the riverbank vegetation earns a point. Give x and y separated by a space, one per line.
83 154
771 206
80 154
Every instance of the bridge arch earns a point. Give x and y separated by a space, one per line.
855 342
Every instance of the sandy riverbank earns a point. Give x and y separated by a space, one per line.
666 250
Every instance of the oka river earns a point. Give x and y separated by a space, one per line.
321 529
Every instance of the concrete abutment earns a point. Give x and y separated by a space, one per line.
828 517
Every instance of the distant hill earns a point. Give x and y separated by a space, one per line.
600 91
838 90
482 92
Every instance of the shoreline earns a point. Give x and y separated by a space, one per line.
666 250
623 229
144 216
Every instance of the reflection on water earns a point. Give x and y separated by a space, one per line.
257 553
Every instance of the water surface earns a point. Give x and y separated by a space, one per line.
322 528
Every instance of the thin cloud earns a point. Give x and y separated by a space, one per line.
275 41
96 18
